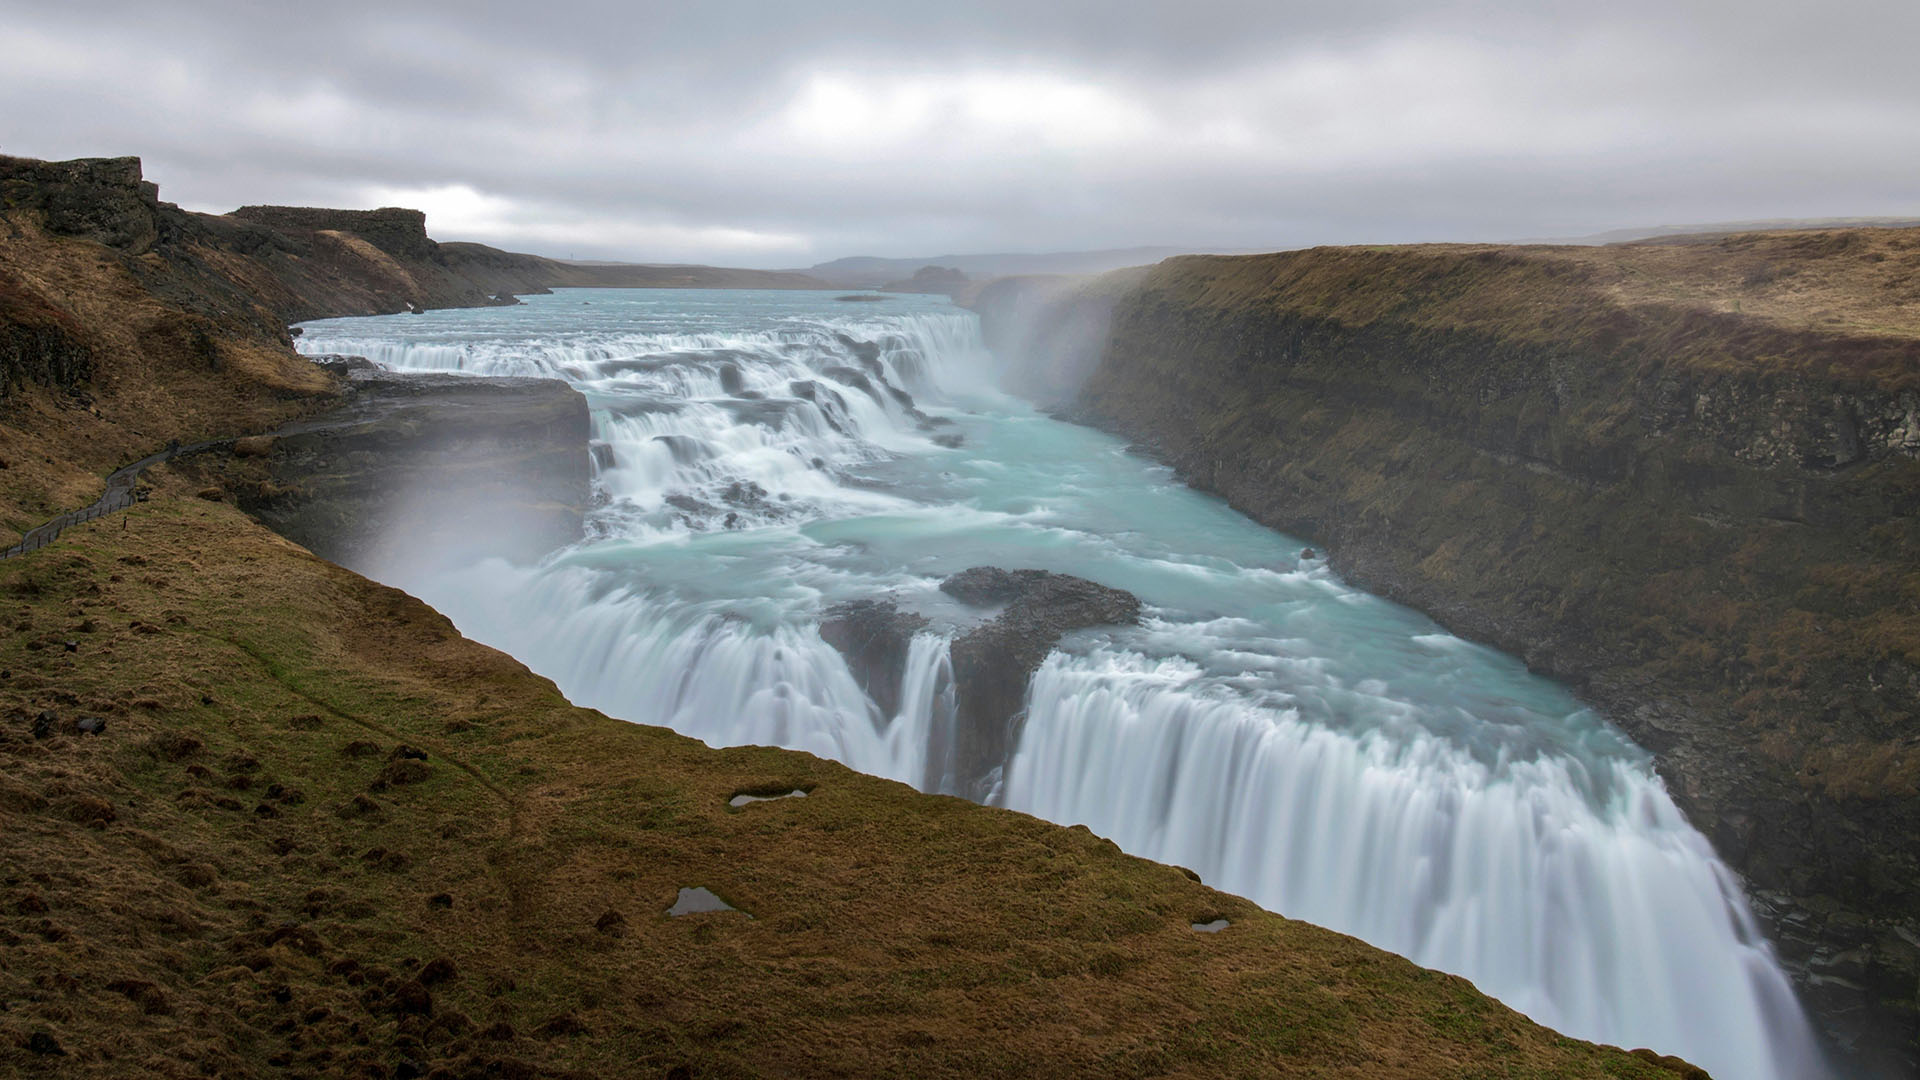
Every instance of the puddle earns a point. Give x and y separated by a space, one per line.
1213 927
742 800
698 899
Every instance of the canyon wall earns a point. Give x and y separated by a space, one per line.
1684 479
413 473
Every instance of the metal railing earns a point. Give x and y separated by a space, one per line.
120 494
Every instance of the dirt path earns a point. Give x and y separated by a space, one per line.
119 495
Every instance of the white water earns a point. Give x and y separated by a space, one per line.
1327 754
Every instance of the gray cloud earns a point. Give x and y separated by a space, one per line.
780 134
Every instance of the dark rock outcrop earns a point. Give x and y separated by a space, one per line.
39 344
993 662
874 636
100 199
414 471
399 232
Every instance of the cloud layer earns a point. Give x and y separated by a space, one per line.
775 134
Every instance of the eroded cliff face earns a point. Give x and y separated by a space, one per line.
1707 520
414 473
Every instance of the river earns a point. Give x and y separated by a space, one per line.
762 456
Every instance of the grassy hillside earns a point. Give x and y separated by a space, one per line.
324 833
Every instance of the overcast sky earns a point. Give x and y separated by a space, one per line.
783 133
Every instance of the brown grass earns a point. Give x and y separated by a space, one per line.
237 879
161 373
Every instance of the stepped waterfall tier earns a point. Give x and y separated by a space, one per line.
760 458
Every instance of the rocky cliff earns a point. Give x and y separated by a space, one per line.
126 322
417 472
1684 478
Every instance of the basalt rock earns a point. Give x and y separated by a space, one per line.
993 662
874 636
39 344
415 471
100 199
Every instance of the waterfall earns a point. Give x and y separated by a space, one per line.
1612 922
761 457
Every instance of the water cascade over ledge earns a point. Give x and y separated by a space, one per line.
761 457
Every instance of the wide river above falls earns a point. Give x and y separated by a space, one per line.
762 456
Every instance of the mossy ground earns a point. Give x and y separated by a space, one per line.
247 874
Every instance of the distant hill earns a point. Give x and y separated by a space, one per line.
1724 228
872 271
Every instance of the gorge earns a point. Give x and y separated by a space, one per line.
763 459
768 519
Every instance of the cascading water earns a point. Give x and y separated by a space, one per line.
762 456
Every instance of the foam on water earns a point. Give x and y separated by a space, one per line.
1334 757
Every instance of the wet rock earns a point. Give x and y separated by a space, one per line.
993 662
950 441
866 353
874 636
731 380
858 380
